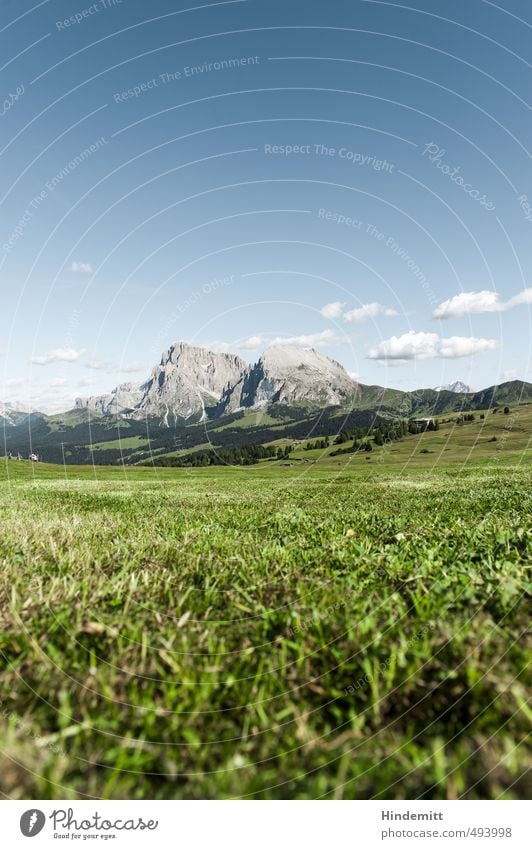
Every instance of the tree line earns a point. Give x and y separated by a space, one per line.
246 455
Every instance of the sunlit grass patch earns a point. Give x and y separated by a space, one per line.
219 634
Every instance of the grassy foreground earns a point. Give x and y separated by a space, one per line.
264 633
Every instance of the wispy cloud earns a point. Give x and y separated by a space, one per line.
58 382
336 309
47 399
332 310
411 346
219 347
252 343
110 367
59 355
367 311
469 303
87 381
99 365
323 339
80 268
131 368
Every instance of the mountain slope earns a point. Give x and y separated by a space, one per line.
124 398
12 414
191 383
290 375
185 382
85 436
286 374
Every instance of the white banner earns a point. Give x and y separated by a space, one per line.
266 825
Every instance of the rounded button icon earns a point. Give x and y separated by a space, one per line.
32 822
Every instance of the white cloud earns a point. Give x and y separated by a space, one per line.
218 347
401 350
47 399
523 297
87 381
50 402
99 365
465 346
409 346
326 338
110 367
57 382
469 303
367 311
131 367
59 355
332 310
252 343
80 268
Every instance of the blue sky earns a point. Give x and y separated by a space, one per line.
354 176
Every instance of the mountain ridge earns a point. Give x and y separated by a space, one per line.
12 413
455 386
192 382
191 385
85 436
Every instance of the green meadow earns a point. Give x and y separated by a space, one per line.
348 627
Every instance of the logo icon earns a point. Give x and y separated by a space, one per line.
32 822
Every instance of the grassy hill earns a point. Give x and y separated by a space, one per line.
431 402
491 439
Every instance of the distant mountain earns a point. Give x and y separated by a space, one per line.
123 399
290 375
511 392
13 413
191 384
195 396
295 399
195 384
457 386
287 374
435 402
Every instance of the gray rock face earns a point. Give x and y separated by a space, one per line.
188 380
192 381
124 398
288 374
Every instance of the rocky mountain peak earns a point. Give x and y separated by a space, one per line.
191 381
188 381
456 386
121 399
14 412
289 374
